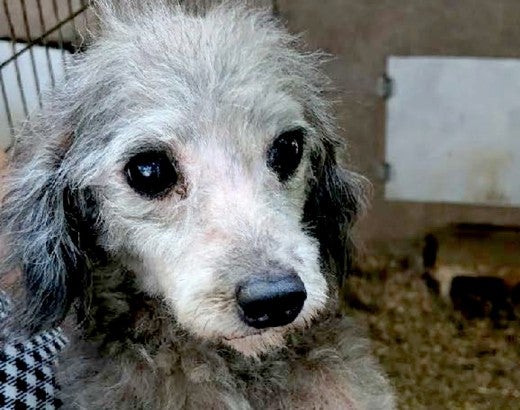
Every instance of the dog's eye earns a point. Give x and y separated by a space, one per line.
285 154
151 174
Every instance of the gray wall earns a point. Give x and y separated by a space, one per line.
361 34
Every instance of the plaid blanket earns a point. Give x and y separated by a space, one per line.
27 368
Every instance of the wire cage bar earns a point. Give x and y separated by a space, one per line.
36 39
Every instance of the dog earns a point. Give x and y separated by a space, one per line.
179 205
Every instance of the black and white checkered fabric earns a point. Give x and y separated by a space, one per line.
27 370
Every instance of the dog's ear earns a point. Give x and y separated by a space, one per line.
43 219
336 196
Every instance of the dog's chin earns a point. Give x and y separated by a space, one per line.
253 345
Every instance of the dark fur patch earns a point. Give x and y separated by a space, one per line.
81 214
51 234
330 211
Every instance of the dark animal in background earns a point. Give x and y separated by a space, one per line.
481 296
475 296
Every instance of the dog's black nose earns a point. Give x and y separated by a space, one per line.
271 301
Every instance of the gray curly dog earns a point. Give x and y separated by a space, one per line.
179 204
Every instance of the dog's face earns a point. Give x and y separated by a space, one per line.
208 152
208 211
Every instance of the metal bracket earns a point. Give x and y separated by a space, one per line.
385 172
385 86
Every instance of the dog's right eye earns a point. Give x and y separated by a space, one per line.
285 154
151 174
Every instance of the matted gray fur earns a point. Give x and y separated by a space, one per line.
149 285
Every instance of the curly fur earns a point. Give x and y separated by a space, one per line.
152 281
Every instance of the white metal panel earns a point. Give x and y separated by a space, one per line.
453 130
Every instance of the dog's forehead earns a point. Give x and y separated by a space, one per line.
207 77
203 71
178 79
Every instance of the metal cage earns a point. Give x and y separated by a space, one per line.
36 38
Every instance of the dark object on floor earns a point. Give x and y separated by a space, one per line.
481 296
429 254
429 258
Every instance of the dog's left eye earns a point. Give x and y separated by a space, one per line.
151 174
285 154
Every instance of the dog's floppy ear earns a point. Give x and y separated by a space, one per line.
336 197
42 218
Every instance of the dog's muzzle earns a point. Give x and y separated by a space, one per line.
271 301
